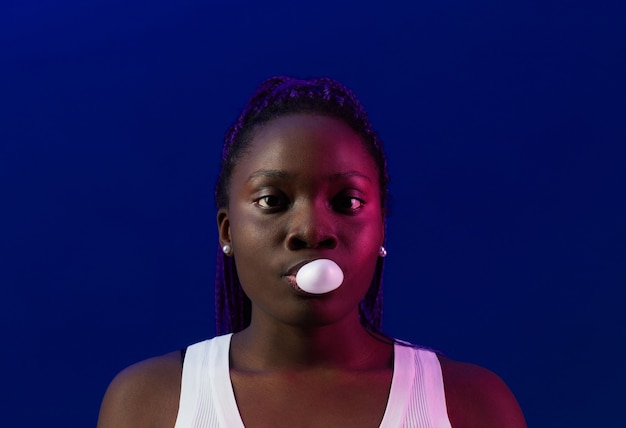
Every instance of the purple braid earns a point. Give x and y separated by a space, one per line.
275 97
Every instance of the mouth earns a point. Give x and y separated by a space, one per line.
290 277
314 277
293 270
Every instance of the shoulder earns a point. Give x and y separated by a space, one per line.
145 394
477 397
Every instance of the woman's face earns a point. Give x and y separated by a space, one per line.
305 189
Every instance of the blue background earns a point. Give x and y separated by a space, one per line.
504 126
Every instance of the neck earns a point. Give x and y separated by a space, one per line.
345 344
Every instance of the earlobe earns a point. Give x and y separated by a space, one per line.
223 227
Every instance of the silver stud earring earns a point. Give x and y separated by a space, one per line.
227 249
382 252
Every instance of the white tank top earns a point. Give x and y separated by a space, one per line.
207 400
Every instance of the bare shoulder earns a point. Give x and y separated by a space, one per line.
477 397
145 394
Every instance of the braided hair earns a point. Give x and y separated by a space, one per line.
276 97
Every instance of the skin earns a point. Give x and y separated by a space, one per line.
306 189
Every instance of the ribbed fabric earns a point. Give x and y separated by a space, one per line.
417 398
207 400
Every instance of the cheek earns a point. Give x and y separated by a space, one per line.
368 231
250 253
253 237
363 245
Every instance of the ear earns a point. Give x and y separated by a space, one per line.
384 226
223 227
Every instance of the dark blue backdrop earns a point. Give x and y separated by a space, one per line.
504 126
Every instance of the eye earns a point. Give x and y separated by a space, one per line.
269 202
348 204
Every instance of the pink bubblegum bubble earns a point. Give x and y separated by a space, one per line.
319 276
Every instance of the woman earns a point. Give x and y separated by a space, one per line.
303 178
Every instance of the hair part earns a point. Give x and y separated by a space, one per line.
277 97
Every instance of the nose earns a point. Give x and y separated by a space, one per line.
311 227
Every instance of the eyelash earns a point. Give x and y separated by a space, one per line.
257 202
351 200
280 202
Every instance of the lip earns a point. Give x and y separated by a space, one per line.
290 277
293 270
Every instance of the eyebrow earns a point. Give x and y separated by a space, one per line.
277 173
268 173
348 174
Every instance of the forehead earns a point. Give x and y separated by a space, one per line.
310 142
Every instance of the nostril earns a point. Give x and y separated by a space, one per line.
328 243
295 243
302 241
